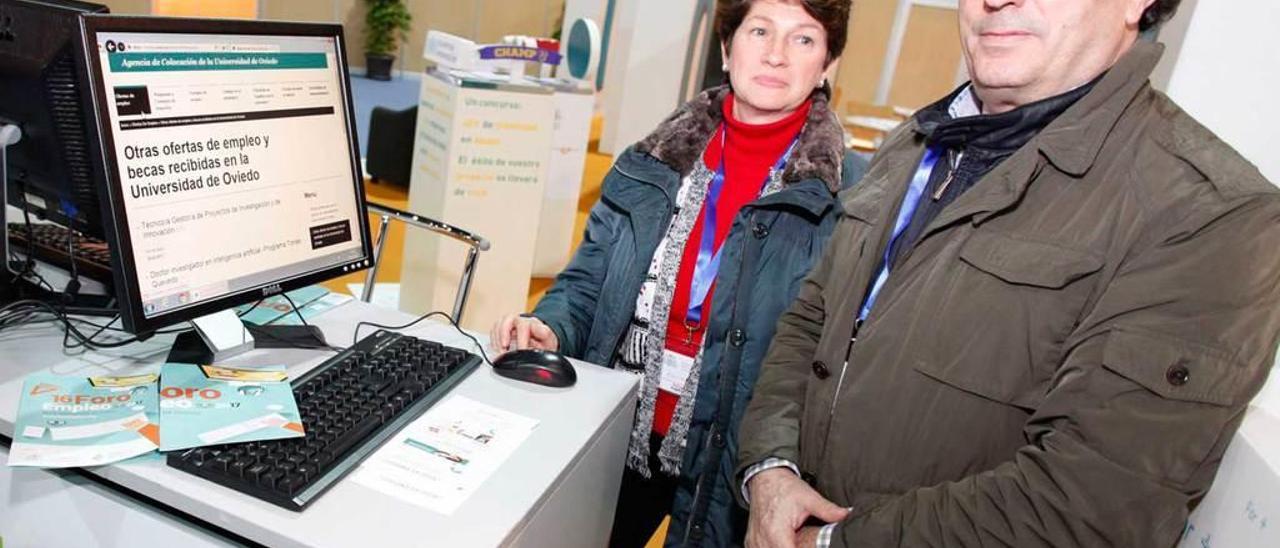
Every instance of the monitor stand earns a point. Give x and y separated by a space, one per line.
222 335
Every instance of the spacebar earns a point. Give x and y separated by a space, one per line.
358 433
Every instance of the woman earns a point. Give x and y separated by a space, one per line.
702 234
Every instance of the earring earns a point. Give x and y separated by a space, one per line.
822 84
724 67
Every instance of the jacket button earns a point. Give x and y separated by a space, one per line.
718 440
1178 375
695 534
737 337
820 370
760 231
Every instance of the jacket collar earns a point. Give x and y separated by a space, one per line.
682 138
998 135
1073 141
866 200
809 196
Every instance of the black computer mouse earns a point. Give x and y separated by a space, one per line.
542 367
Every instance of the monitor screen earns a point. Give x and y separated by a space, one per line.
231 161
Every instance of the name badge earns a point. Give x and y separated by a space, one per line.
675 371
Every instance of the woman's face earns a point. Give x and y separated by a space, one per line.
776 58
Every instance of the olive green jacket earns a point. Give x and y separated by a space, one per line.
1064 356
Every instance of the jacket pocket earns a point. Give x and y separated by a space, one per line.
1018 387
1168 393
1178 369
1026 262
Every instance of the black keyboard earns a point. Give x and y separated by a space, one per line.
350 404
93 257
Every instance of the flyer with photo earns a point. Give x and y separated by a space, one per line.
66 421
211 404
439 460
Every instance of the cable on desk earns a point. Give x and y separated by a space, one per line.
250 309
67 333
29 264
355 337
28 308
296 310
73 286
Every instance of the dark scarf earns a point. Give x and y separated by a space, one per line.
985 140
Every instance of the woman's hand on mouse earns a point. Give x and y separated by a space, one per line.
518 332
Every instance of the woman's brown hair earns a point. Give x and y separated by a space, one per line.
832 14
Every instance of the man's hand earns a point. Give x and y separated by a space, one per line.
780 504
515 332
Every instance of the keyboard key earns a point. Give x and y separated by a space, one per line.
307 471
353 436
290 484
268 479
253 472
221 462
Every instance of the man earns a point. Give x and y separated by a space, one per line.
1040 318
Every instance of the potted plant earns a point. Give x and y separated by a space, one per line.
385 25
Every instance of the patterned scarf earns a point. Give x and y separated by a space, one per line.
646 338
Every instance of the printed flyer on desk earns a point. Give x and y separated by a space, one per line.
84 421
439 460
212 404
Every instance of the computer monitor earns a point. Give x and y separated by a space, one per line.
49 171
232 171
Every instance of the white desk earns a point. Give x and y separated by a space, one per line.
558 489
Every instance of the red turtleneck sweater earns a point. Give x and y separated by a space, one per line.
749 152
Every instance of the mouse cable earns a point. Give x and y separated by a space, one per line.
355 337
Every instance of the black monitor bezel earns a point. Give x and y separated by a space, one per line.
114 216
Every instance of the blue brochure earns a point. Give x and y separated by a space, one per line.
68 421
213 404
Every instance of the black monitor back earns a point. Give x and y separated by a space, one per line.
50 173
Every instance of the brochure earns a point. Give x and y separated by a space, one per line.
66 421
439 460
212 404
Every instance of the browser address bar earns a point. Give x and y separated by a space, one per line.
203 48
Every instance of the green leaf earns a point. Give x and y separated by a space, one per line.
386 24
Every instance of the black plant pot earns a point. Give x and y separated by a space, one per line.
378 66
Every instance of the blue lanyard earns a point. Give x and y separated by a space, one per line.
909 203
708 263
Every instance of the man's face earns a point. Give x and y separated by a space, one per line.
1020 51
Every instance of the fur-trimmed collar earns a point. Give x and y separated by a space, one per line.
681 139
